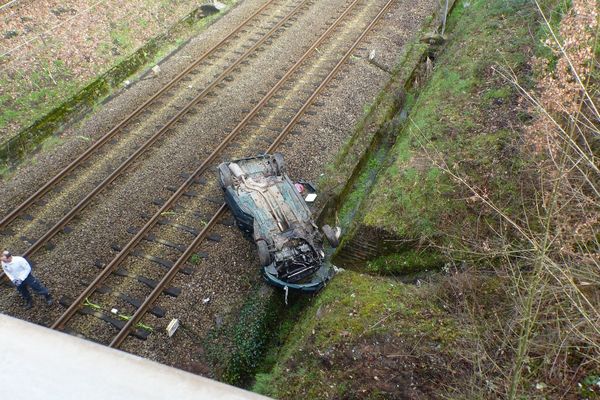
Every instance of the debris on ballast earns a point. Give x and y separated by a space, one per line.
172 327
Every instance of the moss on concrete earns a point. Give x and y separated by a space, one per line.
406 262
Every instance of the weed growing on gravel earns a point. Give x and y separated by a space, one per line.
88 303
139 325
51 142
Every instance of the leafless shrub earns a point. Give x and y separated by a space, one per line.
551 340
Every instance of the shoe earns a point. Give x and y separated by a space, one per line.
49 300
28 305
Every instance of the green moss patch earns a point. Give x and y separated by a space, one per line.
406 262
367 337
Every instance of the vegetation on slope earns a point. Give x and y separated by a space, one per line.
369 338
58 63
236 347
466 112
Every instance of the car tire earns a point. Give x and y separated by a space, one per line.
264 256
279 164
225 176
332 238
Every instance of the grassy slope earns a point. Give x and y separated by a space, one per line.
366 337
465 112
53 84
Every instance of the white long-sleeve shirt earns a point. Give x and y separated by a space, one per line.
17 268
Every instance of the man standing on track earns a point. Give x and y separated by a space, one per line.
18 271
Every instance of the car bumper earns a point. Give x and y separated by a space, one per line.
318 280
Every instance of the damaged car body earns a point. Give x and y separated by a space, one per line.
270 210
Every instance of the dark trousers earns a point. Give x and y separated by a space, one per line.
32 282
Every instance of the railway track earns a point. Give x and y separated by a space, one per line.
162 248
37 226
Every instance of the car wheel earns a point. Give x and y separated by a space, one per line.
263 253
332 238
225 176
279 163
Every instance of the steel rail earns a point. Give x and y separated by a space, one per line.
125 251
147 145
7 4
151 298
107 136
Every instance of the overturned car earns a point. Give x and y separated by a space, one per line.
270 210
